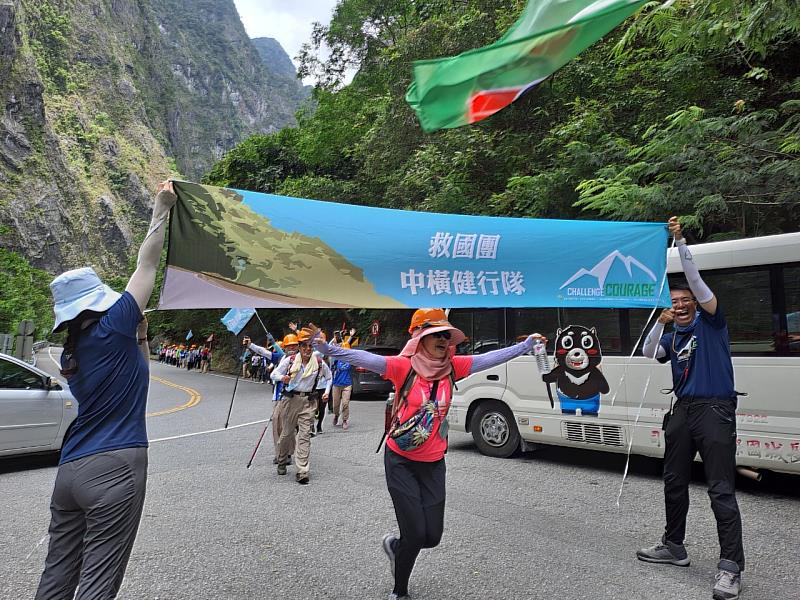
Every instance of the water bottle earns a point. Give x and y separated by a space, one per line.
540 354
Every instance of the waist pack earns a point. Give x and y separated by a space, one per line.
415 430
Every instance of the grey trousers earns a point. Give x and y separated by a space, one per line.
95 510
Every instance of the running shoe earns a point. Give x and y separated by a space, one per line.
668 553
727 585
345 424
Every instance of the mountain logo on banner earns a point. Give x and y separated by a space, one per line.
613 276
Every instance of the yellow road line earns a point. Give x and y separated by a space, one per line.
194 398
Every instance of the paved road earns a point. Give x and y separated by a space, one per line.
540 526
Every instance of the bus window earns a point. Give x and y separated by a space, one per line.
525 321
604 320
745 298
638 324
488 330
484 328
462 318
791 283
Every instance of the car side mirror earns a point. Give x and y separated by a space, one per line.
53 384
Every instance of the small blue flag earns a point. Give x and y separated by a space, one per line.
236 318
189 335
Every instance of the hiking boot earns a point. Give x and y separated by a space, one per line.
345 424
727 585
667 553
281 469
335 420
302 478
389 541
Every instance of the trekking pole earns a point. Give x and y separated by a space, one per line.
258 444
235 383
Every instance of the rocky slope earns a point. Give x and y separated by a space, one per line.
281 68
101 99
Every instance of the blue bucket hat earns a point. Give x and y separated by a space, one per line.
78 290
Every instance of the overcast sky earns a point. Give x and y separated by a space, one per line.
288 21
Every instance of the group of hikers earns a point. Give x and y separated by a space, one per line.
185 357
100 485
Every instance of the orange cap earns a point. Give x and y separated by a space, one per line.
427 317
290 339
305 334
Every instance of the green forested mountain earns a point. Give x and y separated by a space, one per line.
100 100
689 108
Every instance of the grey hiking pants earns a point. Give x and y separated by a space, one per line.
95 510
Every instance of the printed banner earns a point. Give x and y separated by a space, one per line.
457 90
236 318
232 248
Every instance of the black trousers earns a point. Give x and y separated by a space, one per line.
707 426
418 494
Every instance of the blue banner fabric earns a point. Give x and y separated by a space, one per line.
234 248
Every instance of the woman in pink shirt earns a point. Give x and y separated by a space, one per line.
423 376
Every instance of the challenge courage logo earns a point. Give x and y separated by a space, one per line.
615 276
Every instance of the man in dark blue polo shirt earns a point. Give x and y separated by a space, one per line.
703 419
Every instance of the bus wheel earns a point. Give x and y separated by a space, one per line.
494 430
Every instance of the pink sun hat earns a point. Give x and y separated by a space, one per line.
427 321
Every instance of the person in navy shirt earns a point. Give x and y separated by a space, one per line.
100 484
702 419
342 388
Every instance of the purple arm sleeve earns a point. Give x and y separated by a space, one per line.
481 362
357 358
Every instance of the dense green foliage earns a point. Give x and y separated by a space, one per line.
25 295
689 109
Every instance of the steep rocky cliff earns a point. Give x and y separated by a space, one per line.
281 69
101 99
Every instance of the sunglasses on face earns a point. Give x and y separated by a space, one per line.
441 334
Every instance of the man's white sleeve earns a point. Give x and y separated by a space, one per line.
651 347
699 288
260 351
280 371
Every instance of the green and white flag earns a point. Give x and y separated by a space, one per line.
455 91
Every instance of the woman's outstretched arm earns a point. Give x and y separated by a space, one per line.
358 358
481 362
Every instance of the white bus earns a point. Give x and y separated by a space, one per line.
757 282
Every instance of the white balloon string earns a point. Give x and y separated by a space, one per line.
632 430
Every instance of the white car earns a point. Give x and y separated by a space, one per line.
35 410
